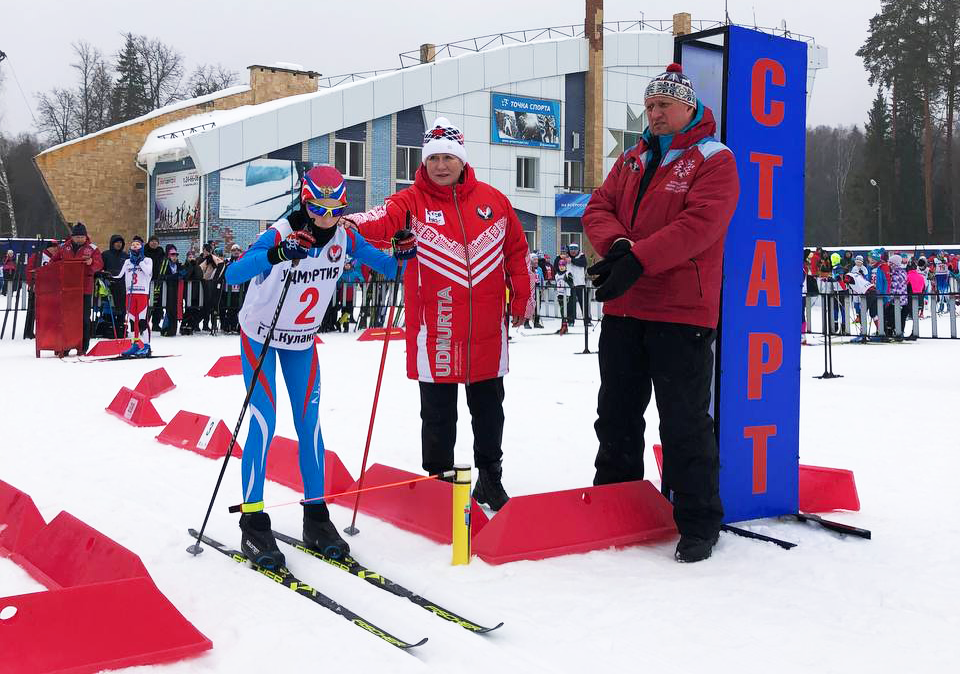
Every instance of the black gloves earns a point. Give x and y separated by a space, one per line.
404 244
293 248
615 273
602 268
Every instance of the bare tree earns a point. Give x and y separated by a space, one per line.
93 88
209 78
57 112
164 67
849 145
5 189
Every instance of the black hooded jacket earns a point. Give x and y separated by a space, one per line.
113 259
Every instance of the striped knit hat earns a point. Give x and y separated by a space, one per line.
444 138
673 84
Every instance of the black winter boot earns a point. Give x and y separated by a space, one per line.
320 534
489 489
257 541
694 549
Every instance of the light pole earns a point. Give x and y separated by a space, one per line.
879 214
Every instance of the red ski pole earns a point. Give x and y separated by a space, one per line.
352 529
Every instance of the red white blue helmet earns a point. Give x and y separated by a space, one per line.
323 182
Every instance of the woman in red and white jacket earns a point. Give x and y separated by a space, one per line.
471 248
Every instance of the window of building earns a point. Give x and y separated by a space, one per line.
630 138
408 161
531 239
573 175
527 173
348 158
566 238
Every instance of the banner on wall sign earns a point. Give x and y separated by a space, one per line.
176 202
570 205
531 122
759 389
261 189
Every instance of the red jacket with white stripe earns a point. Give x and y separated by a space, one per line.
678 228
470 246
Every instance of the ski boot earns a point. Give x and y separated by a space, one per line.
694 549
257 541
144 351
489 489
320 534
537 323
563 329
132 350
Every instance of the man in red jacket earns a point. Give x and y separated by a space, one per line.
471 247
79 247
660 219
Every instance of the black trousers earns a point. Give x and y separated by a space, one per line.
438 410
576 297
675 360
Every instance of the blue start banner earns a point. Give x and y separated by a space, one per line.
532 122
570 205
759 386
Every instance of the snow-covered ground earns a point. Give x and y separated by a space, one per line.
829 605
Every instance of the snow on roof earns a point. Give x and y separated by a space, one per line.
168 142
172 107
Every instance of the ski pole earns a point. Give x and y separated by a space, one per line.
21 266
196 549
352 529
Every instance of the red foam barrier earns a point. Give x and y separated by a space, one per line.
538 526
19 519
825 489
109 347
135 408
68 552
155 383
283 466
424 508
317 340
226 366
199 433
377 334
90 628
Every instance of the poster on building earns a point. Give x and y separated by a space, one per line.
531 122
177 202
261 189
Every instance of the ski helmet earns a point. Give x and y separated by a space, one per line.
323 182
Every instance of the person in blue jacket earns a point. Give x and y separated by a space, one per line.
309 246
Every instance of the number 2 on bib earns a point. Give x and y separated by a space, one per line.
310 297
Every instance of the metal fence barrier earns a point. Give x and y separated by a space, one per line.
882 316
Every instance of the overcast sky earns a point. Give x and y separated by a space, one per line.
341 37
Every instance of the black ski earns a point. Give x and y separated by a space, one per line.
288 580
837 527
353 567
111 359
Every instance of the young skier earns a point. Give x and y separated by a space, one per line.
137 272
310 235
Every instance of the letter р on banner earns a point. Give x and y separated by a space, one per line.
759 387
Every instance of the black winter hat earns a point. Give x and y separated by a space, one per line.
138 238
78 229
170 247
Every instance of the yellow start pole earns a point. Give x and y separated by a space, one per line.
461 514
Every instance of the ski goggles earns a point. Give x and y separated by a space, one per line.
317 208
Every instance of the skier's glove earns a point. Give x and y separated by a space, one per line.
404 244
294 247
623 274
601 270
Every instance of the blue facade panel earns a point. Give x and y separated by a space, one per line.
548 236
318 150
381 182
410 127
356 196
293 153
355 132
574 111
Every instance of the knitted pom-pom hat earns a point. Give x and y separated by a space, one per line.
673 84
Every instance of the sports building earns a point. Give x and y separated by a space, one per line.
545 114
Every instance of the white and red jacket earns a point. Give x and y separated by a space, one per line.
470 247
